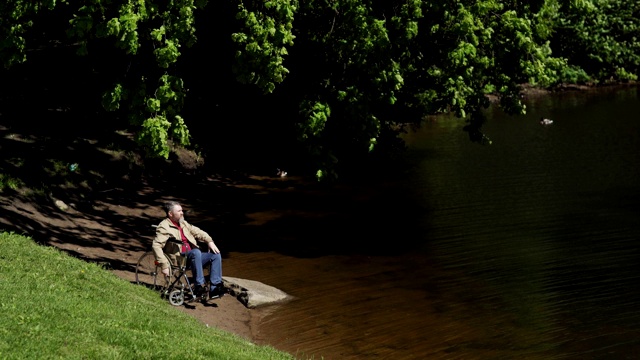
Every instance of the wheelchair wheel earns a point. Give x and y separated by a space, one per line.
176 297
149 273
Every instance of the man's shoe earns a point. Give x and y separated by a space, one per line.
199 290
217 291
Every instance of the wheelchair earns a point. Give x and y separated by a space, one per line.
176 287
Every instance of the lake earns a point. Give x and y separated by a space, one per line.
526 248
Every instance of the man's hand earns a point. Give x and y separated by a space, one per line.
213 248
165 272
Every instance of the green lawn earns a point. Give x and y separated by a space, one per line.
54 306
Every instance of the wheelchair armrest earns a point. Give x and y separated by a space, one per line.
175 241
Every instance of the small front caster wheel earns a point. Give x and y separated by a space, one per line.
176 297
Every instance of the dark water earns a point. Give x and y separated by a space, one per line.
527 249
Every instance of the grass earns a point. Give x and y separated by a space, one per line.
9 182
55 306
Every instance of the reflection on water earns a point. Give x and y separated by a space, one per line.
546 216
527 248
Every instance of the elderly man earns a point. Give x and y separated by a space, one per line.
176 237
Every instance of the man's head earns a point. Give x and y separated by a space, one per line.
174 211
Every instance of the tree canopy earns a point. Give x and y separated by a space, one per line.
340 77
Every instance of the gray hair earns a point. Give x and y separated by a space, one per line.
169 205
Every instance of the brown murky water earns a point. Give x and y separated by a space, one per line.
525 249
